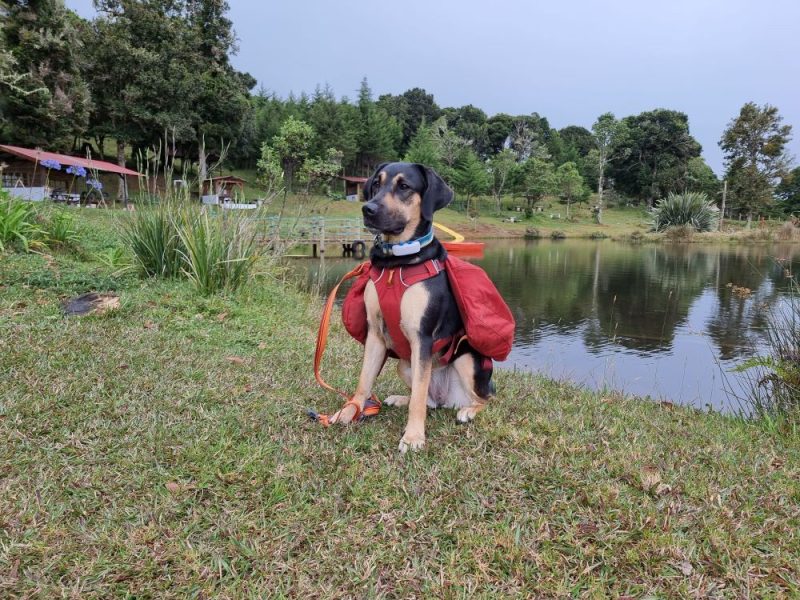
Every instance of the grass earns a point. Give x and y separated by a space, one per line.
162 450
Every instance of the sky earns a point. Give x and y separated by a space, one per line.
568 60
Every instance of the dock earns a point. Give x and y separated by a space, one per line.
320 233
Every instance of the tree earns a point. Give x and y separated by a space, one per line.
469 123
471 177
48 103
501 169
293 145
498 130
788 192
655 155
537 180
754 144
569 183
410 109
270 170
701 178
321 170
379 134
424 149
578 138
609 136
452 147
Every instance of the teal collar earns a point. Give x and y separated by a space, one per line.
406 248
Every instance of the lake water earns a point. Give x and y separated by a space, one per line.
664 321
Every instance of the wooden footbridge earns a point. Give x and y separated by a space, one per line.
319 233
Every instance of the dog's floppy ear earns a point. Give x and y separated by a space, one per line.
437 193
368 183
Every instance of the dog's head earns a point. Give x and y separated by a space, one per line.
401 199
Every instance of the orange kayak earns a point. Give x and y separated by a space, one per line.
465 249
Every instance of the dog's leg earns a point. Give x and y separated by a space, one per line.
476 381
412 310
404 372
374 357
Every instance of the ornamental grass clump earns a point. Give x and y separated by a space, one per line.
218 251
151 234
18 224
689 208
215 251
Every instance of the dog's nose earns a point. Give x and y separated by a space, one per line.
370 209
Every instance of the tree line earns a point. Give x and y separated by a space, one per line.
157 74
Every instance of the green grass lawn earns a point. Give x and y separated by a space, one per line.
162 450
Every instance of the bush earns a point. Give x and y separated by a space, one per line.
152 236
689 208
788 232
680 233
558 235
18 226
60 229
215 252
218 253
531 233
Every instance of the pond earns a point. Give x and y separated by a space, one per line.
664 321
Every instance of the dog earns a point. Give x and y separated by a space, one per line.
400 201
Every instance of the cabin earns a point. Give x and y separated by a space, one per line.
353 187
35 175
226 188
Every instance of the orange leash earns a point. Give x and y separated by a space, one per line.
372 406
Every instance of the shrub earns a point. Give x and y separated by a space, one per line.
558 235
680 233
152 236
218 253
60 229
531 233
18 226
689 208
115 258
788 232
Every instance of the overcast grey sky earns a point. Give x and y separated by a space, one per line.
568 60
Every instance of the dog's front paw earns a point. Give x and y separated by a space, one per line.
396 401
411 441
466 414
344 416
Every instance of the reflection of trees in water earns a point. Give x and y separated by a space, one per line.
739 321
643 299
634 296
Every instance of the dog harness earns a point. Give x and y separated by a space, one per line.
391 285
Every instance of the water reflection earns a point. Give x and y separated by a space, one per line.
655 320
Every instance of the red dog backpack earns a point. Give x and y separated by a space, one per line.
488 322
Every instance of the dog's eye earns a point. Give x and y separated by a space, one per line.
403 186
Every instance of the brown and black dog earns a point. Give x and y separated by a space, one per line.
400 201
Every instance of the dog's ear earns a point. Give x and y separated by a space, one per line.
437 193
368 183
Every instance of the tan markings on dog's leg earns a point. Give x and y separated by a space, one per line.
404 372
465 367
412 307
374 353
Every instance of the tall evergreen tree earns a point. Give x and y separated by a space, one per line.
42 44
379 133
